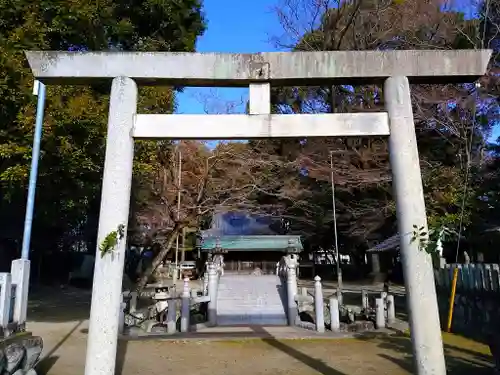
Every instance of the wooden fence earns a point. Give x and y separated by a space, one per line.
477 301
471 277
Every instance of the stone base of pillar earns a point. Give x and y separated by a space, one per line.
20 271
20 353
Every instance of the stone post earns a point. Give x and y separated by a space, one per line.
383 296
5 298
185 306
334 315
410 208
379 313
205 282
318 305
222 265
291 291
293 261
172 316
364 299
20 274
115 201
213 284
391 309
133 302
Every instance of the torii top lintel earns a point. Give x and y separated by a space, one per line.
278 68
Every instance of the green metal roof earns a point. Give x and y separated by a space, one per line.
252 243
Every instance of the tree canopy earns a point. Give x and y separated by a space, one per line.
453 122
290 179
68 188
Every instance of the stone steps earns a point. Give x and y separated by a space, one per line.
250 300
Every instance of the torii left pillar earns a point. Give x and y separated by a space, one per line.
115 202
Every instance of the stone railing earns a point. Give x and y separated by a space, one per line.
306 302
19 351
328 314
286 269
175 311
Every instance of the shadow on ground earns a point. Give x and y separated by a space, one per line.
121 352
68 306
49 359
315 364
459 360
263 336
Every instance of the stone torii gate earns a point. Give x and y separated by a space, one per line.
259 72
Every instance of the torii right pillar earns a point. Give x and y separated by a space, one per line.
410 207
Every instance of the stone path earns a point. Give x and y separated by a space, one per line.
250 299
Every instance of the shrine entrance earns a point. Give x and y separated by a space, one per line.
250 254
394 69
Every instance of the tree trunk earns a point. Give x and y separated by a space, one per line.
159 258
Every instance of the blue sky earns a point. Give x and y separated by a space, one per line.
233 26
241 26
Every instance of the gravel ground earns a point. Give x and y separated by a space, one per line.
65 344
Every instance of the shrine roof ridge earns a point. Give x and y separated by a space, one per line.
251 243
241 69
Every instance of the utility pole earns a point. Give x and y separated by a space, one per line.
38 90
337 255
179 182
183 243
333 107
